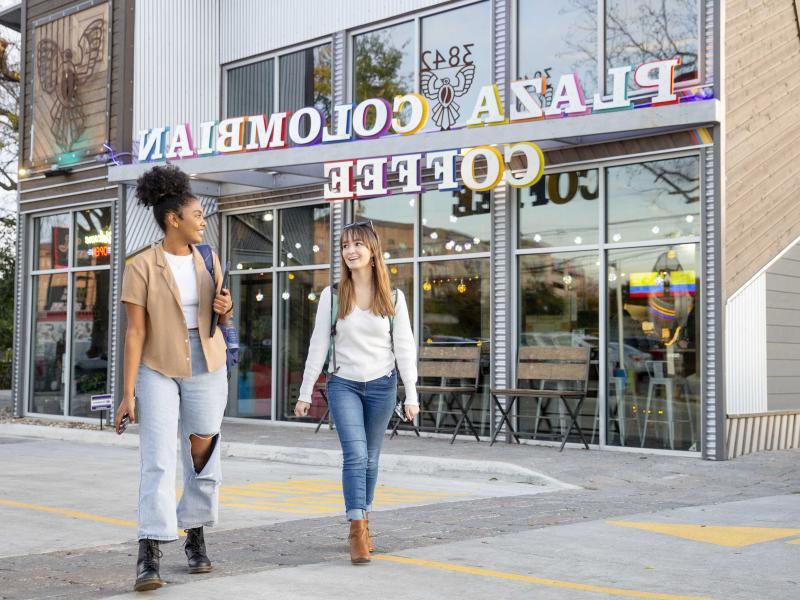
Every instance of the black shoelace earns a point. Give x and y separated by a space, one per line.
152 556
195 543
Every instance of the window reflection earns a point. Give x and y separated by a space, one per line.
558 38
305 235
455 305
251 396
640 31
89 340
305 79
455 222
560 210
653 200
393 219
455 61
559 306
401 277
49 351
653 333
52 240
384 62
93 237
250 238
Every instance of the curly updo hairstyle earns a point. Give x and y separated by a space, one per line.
166 189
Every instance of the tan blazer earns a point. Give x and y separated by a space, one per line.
148 282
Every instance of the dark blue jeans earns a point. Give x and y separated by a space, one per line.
361 412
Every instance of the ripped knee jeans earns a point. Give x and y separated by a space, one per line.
190 407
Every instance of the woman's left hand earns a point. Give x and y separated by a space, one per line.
223 302
411 410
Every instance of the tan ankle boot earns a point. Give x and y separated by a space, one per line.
370 544
359 545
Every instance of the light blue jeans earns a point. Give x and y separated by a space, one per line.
166 405
361 412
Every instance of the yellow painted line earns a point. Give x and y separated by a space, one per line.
75 514
730 537
544 581
794 542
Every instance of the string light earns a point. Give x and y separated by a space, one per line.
259 296
426 286
291 275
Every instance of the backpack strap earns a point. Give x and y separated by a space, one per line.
334 317
208 258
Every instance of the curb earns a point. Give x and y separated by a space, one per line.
317 457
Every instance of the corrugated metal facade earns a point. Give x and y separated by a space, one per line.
141 228
176 63
746 349
251 27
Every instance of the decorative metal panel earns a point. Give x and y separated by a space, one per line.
746 349
501 254
19 345
71 62
713 410
339 73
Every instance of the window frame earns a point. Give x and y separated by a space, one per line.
274 55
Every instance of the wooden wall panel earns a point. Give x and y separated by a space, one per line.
762 51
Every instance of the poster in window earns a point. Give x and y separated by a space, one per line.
60 247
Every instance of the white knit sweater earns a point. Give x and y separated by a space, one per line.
363 347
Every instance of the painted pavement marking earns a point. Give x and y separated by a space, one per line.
728 536
544 581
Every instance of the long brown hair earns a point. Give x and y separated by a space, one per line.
382 304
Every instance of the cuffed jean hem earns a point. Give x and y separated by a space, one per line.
206 524
163 540
356 514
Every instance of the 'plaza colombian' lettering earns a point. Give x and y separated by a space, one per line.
406 115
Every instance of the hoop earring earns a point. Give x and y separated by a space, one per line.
372 263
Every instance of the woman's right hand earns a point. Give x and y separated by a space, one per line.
301 408
126 407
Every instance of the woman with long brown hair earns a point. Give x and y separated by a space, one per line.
363 327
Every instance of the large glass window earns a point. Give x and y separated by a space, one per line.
305 79
393 218
653 347
89 339
70 317
560 210
654 200
298 299
251 89
93 237
455 222
384 62
557 38
559 306
252 394
455 306
455 61
50 339
305 236
640 31
250 240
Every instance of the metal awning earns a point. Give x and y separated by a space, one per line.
12 17
292 167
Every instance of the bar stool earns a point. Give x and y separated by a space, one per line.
655 370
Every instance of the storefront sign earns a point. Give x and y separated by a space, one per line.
406 115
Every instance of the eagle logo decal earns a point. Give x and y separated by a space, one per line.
443 91
61 75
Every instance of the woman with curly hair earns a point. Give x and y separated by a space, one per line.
174 375
365 333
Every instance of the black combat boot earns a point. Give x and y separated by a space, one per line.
195 548
147 577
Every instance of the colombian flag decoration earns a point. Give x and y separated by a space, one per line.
644 285
682 283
